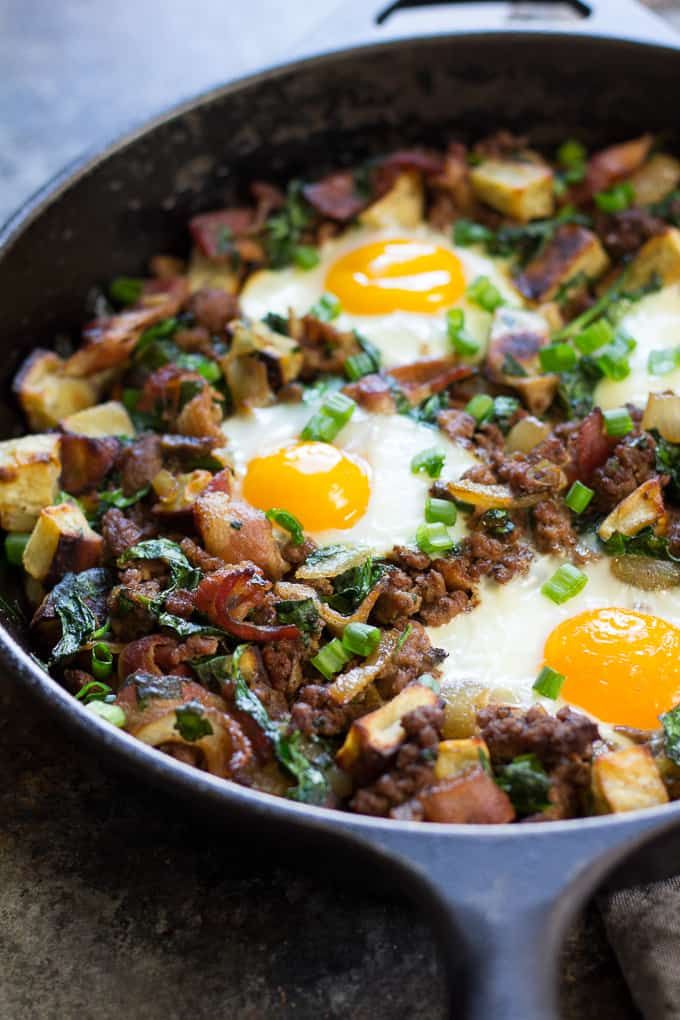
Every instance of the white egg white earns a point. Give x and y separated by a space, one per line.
498 646
386 443
654 324
401 337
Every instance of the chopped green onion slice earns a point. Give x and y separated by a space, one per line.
618 422
571 153
333 415
578 497
102 661
466 232
613 362
15 543
427 680
615 199
360 638
664 361
93 691
557 357
327 308
288 522
305 257
126 290
566 582
549 683
455 328
112 714
434 539
429 462
597 335
480 407
331 658
485 294
359 365
440 511
206 367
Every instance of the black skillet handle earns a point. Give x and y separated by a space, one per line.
357 22
501 900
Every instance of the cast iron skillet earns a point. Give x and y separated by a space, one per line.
499 896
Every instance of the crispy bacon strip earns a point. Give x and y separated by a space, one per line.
336 196
610 165
241 589
593 445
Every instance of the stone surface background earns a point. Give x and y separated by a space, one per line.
114 903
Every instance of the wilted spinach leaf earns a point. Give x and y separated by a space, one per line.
301 612
526 783
352 587
671 729
212 671
76 600
182 574
185 628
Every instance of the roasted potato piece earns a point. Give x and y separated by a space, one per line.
573 251
29 479
663 414
626 781
46 395
85 461
457 756
109 419
258 363
61 542
471 797
379 734
641 509
521 189
655 178
660 256
402 206
517 336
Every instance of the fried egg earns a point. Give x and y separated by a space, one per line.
358 490
654 324
395 288
617 646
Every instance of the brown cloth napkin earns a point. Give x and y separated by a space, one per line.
643 926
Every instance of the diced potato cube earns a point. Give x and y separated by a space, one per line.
517 335
402 206
656 178
46 395
109 419
572 252
523 190
660 256
457 756
627 781
380 732
204 272
470 798
61 541
641 509
29 479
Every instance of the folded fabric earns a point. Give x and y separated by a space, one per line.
643 926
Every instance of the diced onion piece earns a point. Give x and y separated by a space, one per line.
526 434
353 683
338 560
663 414
644 507
645 572
490 497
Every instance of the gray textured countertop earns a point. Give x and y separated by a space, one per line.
112 902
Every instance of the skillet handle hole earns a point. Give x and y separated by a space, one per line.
523 10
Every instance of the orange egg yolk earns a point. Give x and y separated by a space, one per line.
396 276
322 486
620 665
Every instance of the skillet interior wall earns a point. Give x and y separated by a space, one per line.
334 111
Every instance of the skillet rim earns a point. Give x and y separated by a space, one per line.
132 753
